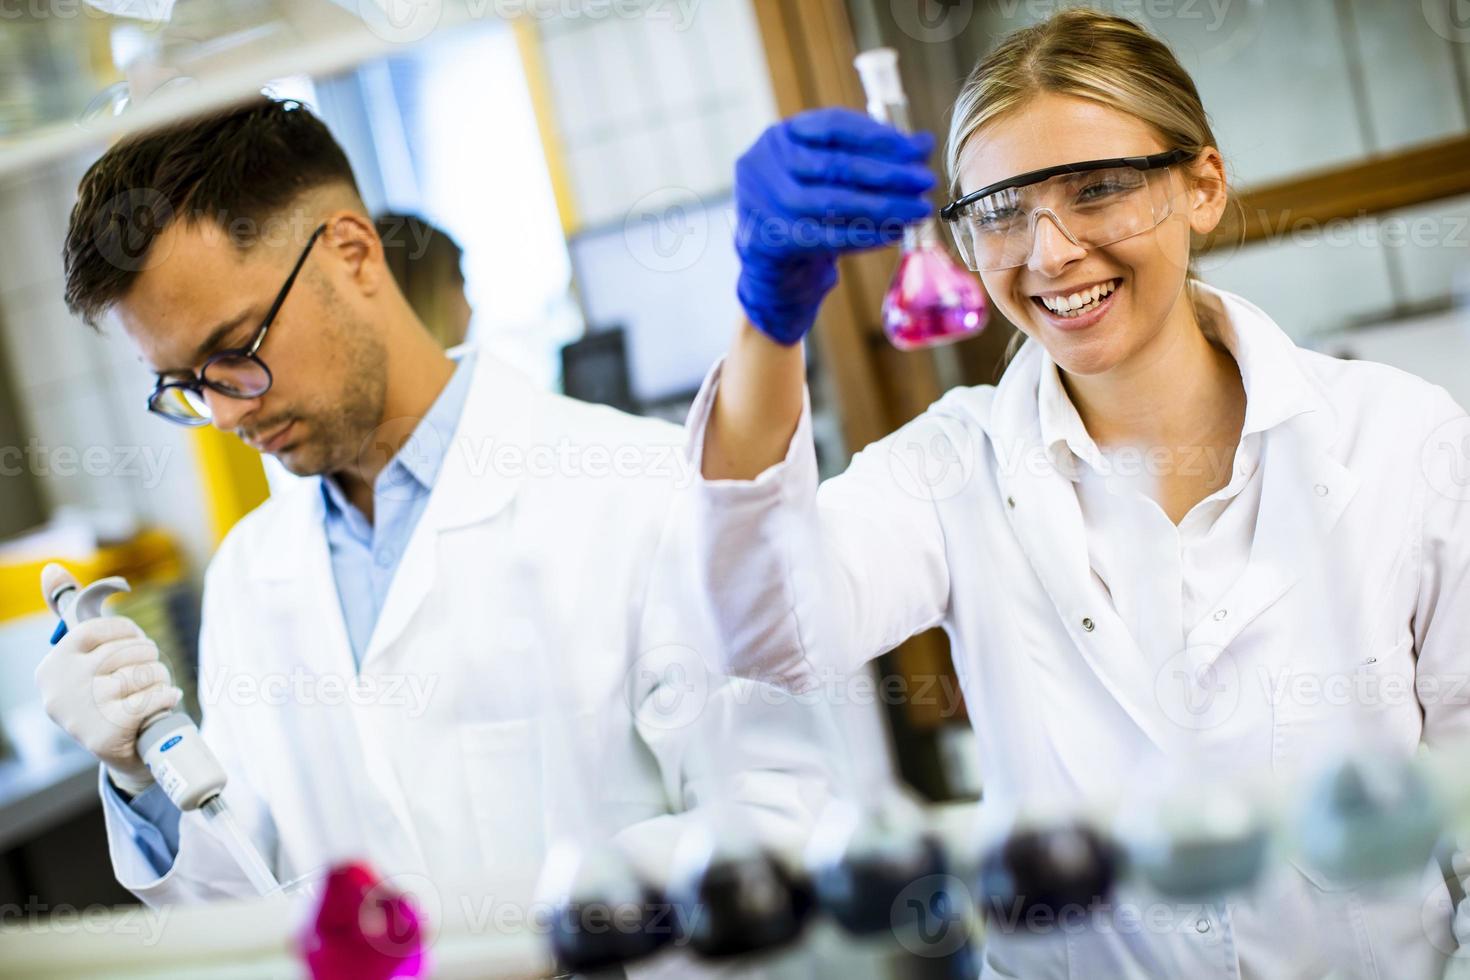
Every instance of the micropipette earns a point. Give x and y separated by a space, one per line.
169 743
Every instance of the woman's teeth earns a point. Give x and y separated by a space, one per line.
1079 303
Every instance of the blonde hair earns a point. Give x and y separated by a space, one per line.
1088 54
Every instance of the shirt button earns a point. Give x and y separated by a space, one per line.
1087 623
1220 614
1202 926
1321 489
384 557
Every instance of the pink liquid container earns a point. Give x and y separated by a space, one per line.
933 300
363 930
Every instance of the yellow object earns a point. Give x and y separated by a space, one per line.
151 555
233 478
528 41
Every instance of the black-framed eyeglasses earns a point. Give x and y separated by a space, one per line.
235 373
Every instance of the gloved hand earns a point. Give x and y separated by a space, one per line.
100 683
812 187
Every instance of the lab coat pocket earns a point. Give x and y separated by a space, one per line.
503 773
1370 699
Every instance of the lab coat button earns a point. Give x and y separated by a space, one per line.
1321 489
1011 502
1220 614
1087 623
1202 926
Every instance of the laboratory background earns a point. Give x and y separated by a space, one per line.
578 156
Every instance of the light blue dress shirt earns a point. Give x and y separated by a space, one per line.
364 556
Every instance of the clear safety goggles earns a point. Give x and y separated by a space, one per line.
1093 203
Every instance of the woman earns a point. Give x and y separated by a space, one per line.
1162 520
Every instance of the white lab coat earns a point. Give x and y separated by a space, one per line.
1357 580
535 566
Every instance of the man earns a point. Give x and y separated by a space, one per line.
470 637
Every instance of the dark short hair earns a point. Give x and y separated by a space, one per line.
239 168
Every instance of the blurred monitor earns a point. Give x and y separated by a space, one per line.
667 275
595 369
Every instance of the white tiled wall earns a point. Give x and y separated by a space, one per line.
77 390
649 102
1433 257
1309 285
1372 269
1412 91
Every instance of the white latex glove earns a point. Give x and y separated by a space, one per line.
100 683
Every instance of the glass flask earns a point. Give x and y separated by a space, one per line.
933 300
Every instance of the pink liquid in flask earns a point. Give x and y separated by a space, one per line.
932 300
363 930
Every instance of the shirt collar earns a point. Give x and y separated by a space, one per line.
1275 389
1062 432
419 460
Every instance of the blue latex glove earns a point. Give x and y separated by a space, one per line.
812 187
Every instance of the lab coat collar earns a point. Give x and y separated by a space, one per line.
1276 389
1305 491
471 486
479 478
